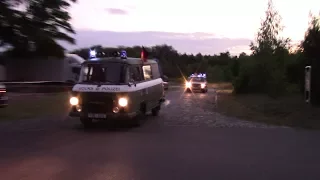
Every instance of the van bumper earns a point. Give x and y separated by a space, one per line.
108 115
3 101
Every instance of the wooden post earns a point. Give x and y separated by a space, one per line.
307 87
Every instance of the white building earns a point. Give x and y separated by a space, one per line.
2 73
44 69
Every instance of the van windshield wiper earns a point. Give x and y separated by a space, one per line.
131 83
99 82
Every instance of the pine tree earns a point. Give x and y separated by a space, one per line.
310 46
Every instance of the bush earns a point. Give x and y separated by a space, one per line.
260 75
216 74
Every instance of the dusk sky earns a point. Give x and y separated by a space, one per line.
190 26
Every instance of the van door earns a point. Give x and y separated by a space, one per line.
147 90
136 76
157 89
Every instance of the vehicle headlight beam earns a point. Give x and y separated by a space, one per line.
123 102
74 101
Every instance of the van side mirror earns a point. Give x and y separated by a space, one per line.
164 78
132 83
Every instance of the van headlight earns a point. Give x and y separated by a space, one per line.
123 102
74 101
188 84
203 86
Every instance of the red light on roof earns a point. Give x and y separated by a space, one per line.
144 55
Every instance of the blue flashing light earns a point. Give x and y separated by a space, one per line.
93 53
123 54
198 75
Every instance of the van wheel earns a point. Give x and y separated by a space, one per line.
155 111
86 122
143 108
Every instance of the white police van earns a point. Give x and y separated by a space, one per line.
117 88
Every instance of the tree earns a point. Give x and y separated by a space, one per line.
310 47
268 40
8 18
267 73
36 29
311 43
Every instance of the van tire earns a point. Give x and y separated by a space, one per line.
143 108
86 122
155 111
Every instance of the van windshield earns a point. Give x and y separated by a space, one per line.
196 79
106 73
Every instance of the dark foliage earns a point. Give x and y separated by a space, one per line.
32 27
272 68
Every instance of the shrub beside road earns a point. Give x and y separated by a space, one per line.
290 110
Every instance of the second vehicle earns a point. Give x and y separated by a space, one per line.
197 83
3 96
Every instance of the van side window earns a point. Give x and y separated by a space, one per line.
147 73
155 71
135 74
139 70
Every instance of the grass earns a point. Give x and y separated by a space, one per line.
289 111
34 105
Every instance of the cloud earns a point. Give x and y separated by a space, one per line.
116 11
236 49
183 42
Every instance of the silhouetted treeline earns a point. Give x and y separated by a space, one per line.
272 68
175 64
219 68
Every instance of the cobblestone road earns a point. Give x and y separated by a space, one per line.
193 109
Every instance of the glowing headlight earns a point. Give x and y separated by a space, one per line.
74 101
188 84
123 102
203 85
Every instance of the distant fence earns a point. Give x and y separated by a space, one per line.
38 86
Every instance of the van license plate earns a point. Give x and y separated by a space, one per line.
100 116
4 98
